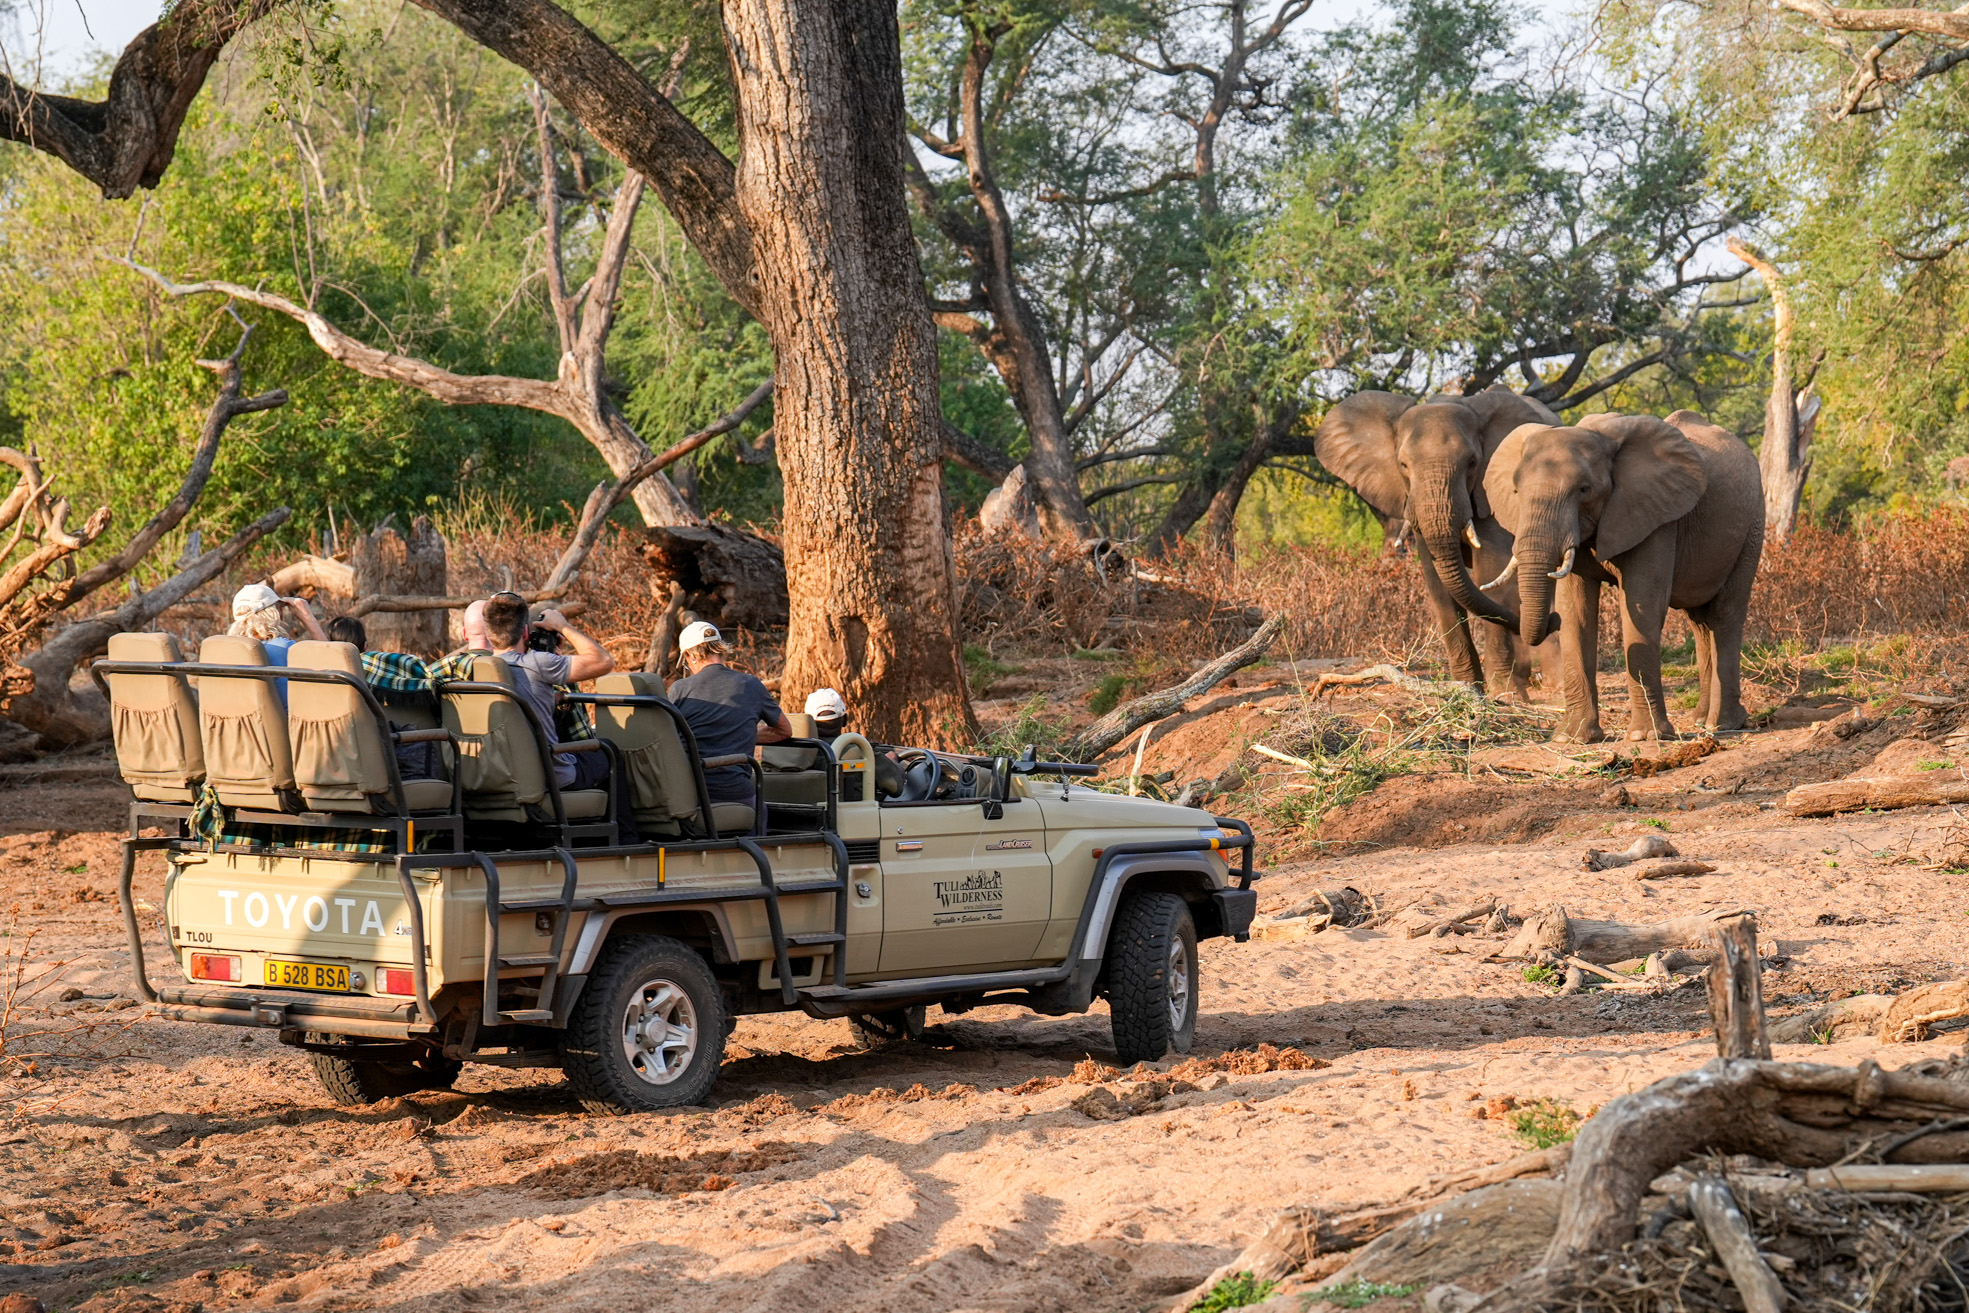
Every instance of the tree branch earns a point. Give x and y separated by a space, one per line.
1947 23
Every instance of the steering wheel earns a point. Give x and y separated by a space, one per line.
921 774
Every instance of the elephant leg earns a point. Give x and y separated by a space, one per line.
1579 659
1453 625
1520 658
1551 665
1645 576
1705 671
1724 615
1504 669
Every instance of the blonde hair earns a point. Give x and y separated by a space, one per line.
263 624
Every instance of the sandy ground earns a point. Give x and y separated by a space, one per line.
147 1164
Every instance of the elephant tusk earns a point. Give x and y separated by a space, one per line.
1470 536
1510 568
1565 567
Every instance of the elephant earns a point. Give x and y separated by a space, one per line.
1671 513
1424 462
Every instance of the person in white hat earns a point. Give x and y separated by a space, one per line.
259 612
728 710
830 712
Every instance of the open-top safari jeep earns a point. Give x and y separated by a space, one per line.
398 928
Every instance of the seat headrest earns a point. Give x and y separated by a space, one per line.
231 650
315 655
617 685
802 723
490 669
144 647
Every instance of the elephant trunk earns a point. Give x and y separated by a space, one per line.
1547 545
1441 511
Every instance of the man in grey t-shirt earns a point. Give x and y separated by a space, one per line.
536 673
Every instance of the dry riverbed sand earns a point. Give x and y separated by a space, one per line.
147 1164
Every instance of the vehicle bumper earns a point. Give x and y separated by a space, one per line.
274 1009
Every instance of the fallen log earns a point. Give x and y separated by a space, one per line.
1455 923
1922 1179
1131 716
731 577
1666 870
1729 1235
1645 848
1344 907
1880 793
1554 934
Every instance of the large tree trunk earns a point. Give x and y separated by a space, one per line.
820 186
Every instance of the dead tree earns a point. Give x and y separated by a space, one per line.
1789 416
1131 716
37 689
583 318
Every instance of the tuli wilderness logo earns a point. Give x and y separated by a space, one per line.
971 899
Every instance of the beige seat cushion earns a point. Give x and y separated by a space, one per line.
732 818
500 771
585 804
653 753
427 795
155 723
341 759
243 729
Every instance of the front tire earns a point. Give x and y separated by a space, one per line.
648 1032
1152 977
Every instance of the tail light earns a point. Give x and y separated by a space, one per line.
395 980
215 966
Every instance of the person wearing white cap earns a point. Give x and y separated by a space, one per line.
259 612
728 710
830 712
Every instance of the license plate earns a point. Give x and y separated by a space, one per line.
306 975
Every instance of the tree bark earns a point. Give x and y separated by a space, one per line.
386 562
840 291
1785 457
1736 991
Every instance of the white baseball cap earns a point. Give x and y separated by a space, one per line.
826 704
699 634
252 598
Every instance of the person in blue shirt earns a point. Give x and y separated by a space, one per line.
259 612
729 711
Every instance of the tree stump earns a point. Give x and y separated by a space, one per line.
386 562
1736 991
728 576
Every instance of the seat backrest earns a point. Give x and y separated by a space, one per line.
340 757
155 722
776 758
500 770
243 728
653 751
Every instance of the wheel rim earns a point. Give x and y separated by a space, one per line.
659 1031
1179 983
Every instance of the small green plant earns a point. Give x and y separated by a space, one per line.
1029 726
1654 822
1931 765
1546 1123
1359 1294
1540 975
981 667
76 869
1098 654
1108 696
1235 1291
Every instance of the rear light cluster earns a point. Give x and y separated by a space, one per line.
215 966
395 980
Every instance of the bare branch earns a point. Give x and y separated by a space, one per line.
1947 23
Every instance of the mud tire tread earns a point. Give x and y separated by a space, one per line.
1138 990
351 1084
591 1051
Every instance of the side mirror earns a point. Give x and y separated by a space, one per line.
994 810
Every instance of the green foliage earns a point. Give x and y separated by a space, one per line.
1545 1123
1235 1291
1030 726
1654 822
1107 696
981 668
1359 1294
1540 974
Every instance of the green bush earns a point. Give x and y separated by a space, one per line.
1359 1294
1234 1291
1546 1123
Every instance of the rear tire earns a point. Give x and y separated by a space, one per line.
352 1082
1152 977
648 1032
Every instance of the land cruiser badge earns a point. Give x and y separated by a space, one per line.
973 899
1004 845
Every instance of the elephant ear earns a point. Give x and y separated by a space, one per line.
1500 410
1500 477
1658 477
1356 442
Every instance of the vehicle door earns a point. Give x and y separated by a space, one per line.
964 890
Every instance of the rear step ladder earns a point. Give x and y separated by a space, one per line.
835 942
549 962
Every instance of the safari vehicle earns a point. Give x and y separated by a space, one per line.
398 928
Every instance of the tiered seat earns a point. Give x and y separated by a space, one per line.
155 723
665 772
243 729
505 758
794 782
343 761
